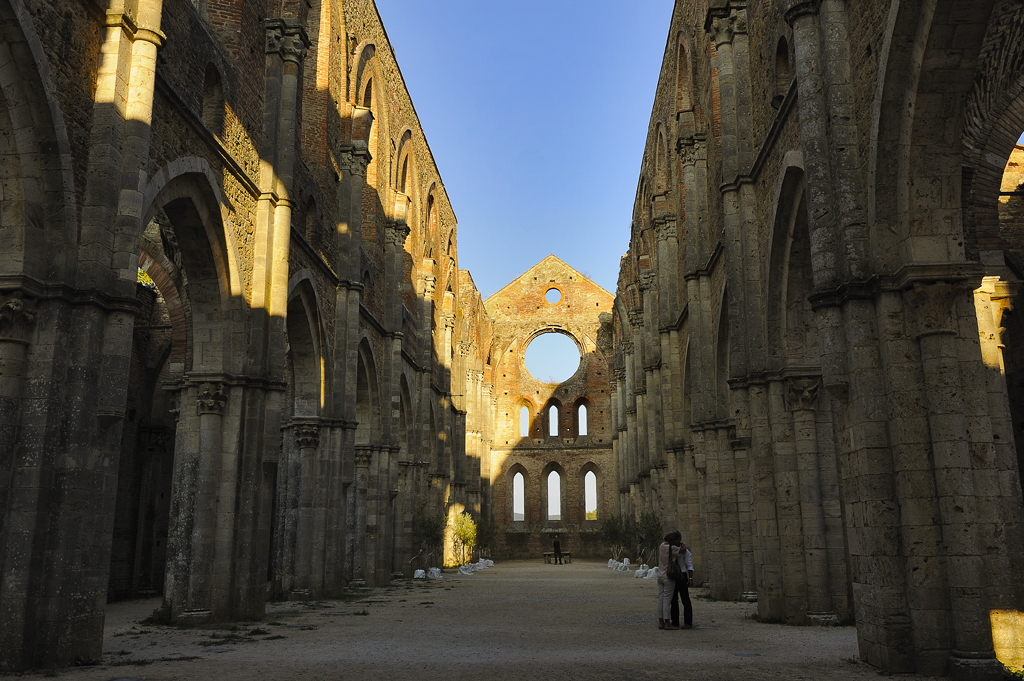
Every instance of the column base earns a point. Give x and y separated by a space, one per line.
823 619
969 666
190 618
749 596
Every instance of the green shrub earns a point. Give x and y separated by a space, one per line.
464 534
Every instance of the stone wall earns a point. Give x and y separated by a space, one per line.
811 338
304 375
521 312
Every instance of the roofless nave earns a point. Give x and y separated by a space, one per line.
811 365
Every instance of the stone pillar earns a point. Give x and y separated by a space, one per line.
802 395
17 318
364 455
972 656
307 440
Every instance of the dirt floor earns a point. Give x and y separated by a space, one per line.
516 620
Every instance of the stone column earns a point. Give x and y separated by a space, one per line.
364 455
802 395
17 318
307 439
973 656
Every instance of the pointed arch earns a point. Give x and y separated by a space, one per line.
39 223
519 507
590 483
367 396
553 488
305 348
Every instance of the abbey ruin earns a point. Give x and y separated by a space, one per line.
239 360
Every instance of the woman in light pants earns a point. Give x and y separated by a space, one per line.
668 551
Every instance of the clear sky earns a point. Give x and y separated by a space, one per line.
537 115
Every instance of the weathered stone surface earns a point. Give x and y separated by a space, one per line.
837 300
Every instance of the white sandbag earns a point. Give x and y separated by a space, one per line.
624 567
652 574
434 573
488 561
419 574
625 561
611 562
465 569
640 573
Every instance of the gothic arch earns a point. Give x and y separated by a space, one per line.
564 502
790 277
589 467
39 224
723 355
367 396
510 474
903 206
192 227
306 352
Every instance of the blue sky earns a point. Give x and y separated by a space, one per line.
537 114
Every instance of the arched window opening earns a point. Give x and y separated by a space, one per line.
582 420
683 100
405 173
782 76
429 228
518 497
590 495
213 101
554 496
368 95
524 422
553 421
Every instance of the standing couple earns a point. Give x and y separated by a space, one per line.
675 575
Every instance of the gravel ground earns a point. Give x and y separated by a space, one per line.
513 621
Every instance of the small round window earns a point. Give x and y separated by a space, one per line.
553 295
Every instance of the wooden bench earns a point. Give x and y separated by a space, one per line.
566 556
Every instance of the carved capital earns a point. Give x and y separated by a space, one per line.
627 349
724 28
636 318
396 235
648 279
307 435
801 8
448 321
692 150
17 317
668 230
287 38
363 457
931 308
429 284
620 374
802 393
354 161
463 348
212 398
175 407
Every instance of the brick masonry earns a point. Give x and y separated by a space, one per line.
811 331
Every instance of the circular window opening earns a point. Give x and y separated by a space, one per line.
553 295
552 357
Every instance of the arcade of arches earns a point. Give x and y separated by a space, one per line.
239 361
